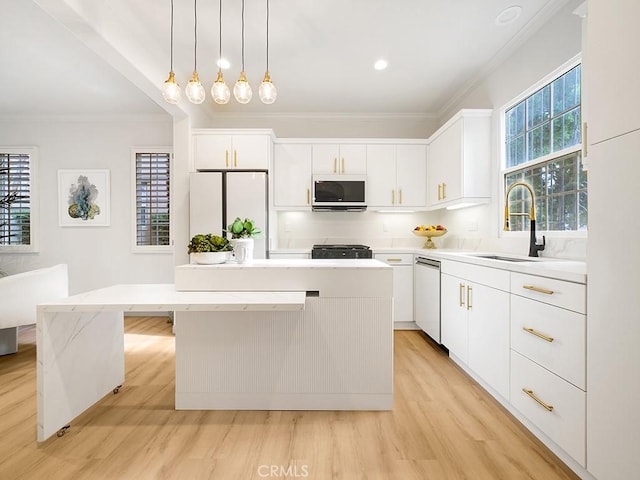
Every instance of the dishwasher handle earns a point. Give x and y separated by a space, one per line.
427 262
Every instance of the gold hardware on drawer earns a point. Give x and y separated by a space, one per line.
535 397
469 290
538 334
394 259
538 289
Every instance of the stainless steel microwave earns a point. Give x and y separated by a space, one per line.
339 192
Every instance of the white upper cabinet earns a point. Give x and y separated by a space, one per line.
396 175
292 175
459 167
227 151
611 69
339 159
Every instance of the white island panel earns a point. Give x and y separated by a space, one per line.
336 354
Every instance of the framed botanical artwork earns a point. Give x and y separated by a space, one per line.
83 198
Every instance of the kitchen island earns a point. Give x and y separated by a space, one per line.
304 334
335 354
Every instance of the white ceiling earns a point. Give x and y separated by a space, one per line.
97 57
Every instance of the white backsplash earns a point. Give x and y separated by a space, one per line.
376 229
472 229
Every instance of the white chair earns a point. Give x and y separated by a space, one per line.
19 296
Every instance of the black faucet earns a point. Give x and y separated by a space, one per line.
535 247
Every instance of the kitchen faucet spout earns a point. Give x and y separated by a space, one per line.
534 247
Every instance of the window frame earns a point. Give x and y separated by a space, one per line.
34 201
135 248
502 153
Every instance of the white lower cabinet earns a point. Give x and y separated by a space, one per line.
548 358
551 403
475 320
402 264
525 337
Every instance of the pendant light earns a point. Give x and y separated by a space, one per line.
220 91
170 88
267 89
242 89
195 90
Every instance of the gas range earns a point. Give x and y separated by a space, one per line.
341 251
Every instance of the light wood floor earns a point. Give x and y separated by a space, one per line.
443 426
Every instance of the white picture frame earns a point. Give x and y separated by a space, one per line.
84 198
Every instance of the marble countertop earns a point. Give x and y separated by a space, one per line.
164 297
294 263
561 269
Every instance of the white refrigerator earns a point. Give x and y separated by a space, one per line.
217 198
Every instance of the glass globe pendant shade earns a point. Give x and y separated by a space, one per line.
220 91
171 90
267 90
195 90
242 89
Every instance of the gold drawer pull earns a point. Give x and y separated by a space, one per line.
394 259
534 396
538 289
538 334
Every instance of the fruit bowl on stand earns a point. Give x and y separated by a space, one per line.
436 232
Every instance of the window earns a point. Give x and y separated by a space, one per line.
18 215
542 134
152 189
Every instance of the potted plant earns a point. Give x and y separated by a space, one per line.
242 235
208 249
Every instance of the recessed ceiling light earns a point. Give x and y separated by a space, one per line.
381 64
223 63
508 15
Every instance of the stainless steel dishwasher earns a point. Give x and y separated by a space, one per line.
427 296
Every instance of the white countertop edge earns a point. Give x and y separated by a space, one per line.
164 297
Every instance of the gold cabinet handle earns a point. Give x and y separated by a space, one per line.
538 289
444 190
439 190
235 158
538 334
535 397
394 259
343 165
308 196
399 196
335 165
460 294
393 197
226 158
469 290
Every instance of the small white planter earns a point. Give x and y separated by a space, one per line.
242 249
210 258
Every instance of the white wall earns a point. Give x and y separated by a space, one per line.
550 47
97 256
